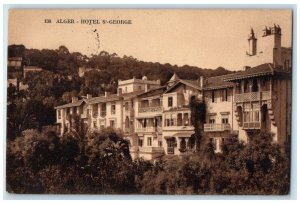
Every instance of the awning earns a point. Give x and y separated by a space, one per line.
148 116
184 134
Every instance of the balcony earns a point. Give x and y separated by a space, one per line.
150 109
251 125
149 129
213 127
95 114
85 115
103 114
170 150
178 128
252 96
151 149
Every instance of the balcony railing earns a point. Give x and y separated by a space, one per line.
251 125
265 95
148 129
170 150
103 114
252 96
85 115
151 149
178 128
216 127
150 109
126 130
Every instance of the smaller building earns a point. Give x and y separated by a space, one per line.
14 68
31 69
132 85
83 70
14 62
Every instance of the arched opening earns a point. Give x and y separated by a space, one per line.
254 85
127 124
240 115
265 118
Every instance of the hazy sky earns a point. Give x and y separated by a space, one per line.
203 38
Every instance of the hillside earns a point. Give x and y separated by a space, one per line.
112 66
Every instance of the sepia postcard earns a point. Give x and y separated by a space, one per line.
149 101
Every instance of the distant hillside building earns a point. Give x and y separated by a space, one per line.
83 70
158 121
31 69
15 67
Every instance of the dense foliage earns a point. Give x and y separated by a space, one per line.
42 162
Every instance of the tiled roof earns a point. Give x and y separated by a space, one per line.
216 82
260 70
190 83
131 94
99 99
153 92
68 105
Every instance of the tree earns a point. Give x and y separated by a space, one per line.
198 112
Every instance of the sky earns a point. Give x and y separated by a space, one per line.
205 38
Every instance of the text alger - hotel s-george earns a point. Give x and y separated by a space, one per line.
157 119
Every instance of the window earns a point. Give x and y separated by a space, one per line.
213 99
113 109
95 124
155 122
95 110
59 114
213 142
172 122
225 119
87 112
149 141
212 119
141 141
193 98
145 123
251 116
167 122
112 123
186 119
103 109
256 116
224 95
247 116
140 88
159 143
127 122
170 101
126 105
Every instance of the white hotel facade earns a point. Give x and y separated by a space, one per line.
157 119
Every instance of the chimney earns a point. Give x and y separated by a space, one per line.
201 81
88 96
246 68
74 99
